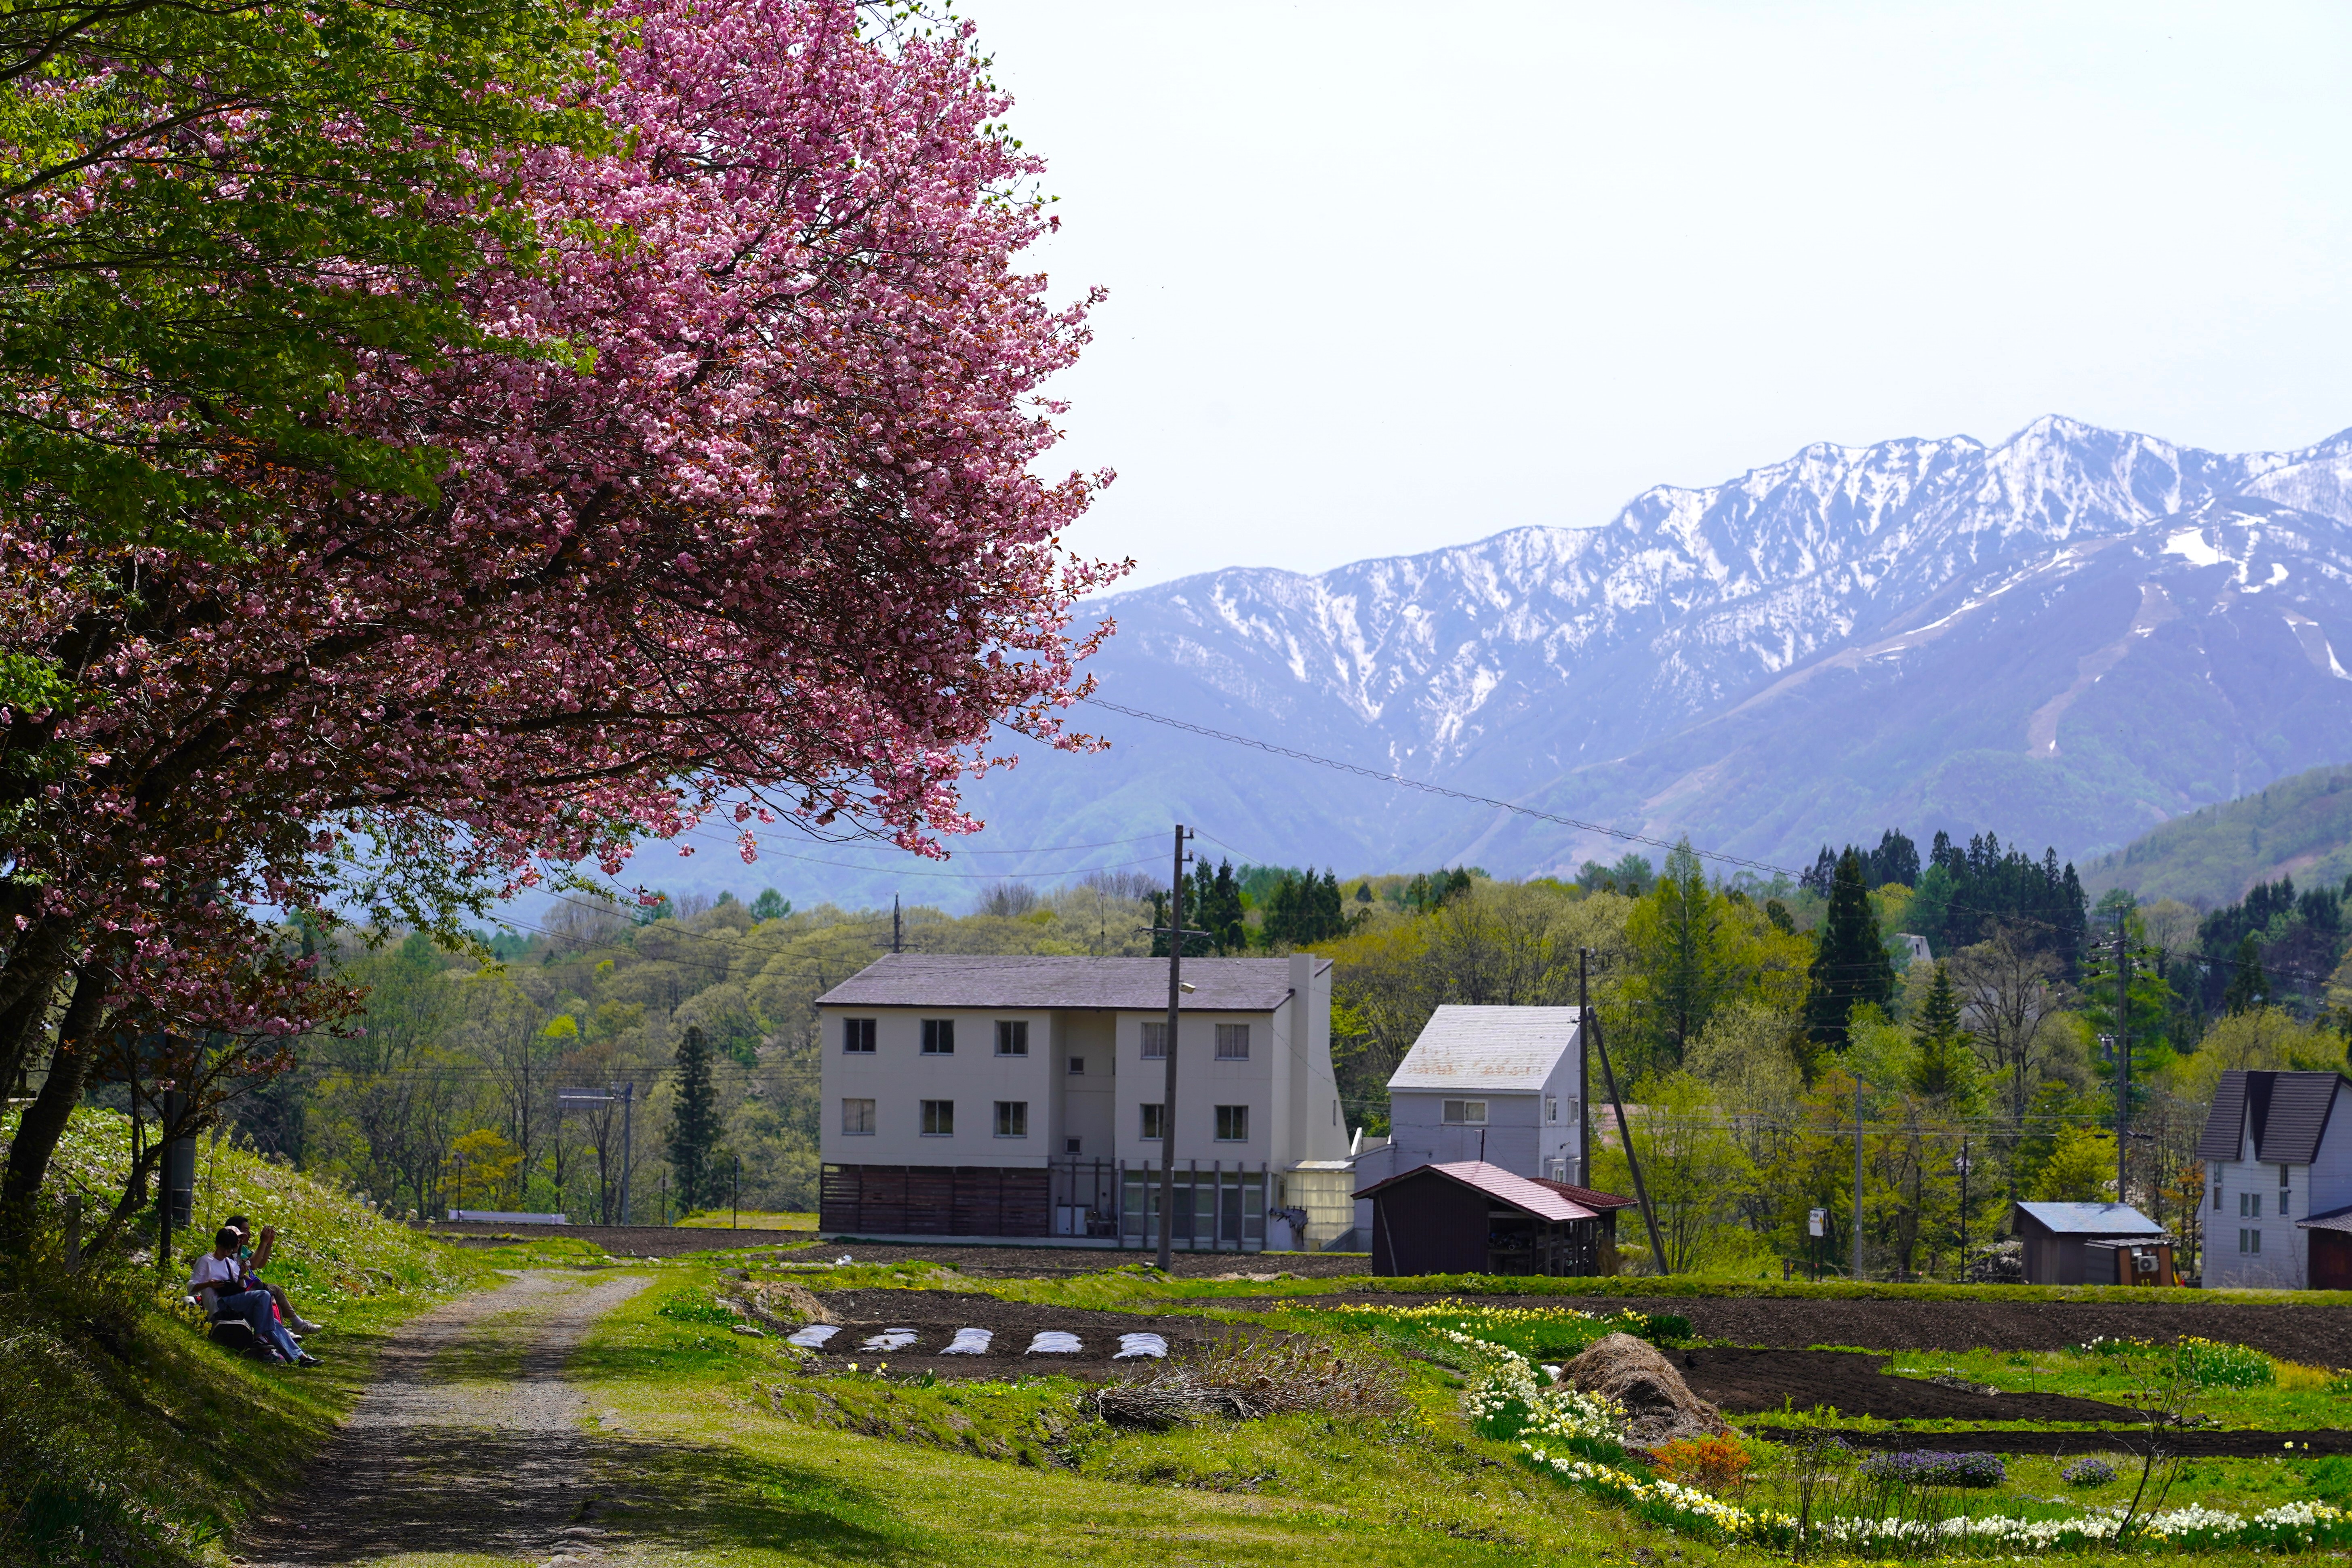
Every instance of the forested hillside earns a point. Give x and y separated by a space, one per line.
2300 827
1736 1015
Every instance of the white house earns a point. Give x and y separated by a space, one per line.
977 1095
1494 1084
2278 1157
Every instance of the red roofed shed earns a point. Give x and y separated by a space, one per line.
1469 1217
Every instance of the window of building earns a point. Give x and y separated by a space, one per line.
1232 1042
2250 1205
938 1036
2217 1197
1232 1124
1013 1037
939 1119
1074 1146
1150 1122
2250 1241
857 1118
857 1036
1078 1067
1557 1169
1012 1119
1551 1109
1466 1113
1155 1042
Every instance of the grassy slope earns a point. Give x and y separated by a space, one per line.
125 1437
2301 825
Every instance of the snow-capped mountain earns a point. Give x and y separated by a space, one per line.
2061 638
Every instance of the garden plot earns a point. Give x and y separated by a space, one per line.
1747 1382
952 1334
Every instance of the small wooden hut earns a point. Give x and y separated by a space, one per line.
1466 1216
2074 1244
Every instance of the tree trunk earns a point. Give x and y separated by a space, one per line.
45 1120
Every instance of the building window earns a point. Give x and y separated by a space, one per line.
1155 1042
2250 1241
857 1036
1551 1109
2217 1197
1013 1037
938 1036
1466 1113
2250 1205
1078 1067
939 1119
1557 1169
1151 1122
857 1118
1232 1124
1074 1146
1232 1042
1012 1119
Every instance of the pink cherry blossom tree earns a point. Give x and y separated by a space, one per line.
737 513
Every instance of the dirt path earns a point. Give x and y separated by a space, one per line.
470 1439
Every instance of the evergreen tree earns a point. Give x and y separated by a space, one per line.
2249 987
1850 964
1220 912
1364 891
694 1124
1936 1032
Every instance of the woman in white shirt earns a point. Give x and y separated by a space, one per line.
215 1280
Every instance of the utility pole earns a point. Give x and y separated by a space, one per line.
628 1145
2123 1058
898 928
1964 1163
1857 1176
1632 1164
1583 1070
1167 1098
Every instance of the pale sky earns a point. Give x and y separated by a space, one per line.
1386 278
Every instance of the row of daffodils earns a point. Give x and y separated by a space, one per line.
1574 1437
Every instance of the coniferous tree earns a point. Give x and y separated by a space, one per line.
1850 964
1936 1032
694 1124
2249 987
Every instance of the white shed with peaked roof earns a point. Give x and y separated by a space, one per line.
1492 1084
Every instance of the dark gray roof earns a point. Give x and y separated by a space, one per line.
2333 1219
2288 1112
986 980
2092 1219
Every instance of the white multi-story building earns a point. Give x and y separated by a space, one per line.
976 1095
2278 1181
1492 1084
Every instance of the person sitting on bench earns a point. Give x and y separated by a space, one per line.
216 1281
251 1261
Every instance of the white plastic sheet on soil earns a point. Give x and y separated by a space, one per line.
891 1340
1054 1342
812 1337
1152 1345
969 1341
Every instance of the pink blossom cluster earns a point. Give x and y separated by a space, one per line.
744 512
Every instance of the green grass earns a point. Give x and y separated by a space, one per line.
2296 1399
125 1437
787 1468
749 1219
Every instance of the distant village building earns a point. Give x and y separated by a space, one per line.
2092 1244
1492 1085
975 1095
1915 948
1467 1217
2278 1181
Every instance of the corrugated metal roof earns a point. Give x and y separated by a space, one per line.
2288 1112
2093 1219
2333 1219
1545 1200
1490 1048
1018 981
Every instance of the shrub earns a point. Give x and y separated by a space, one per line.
2087 1471
1716 1464
1934 1467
